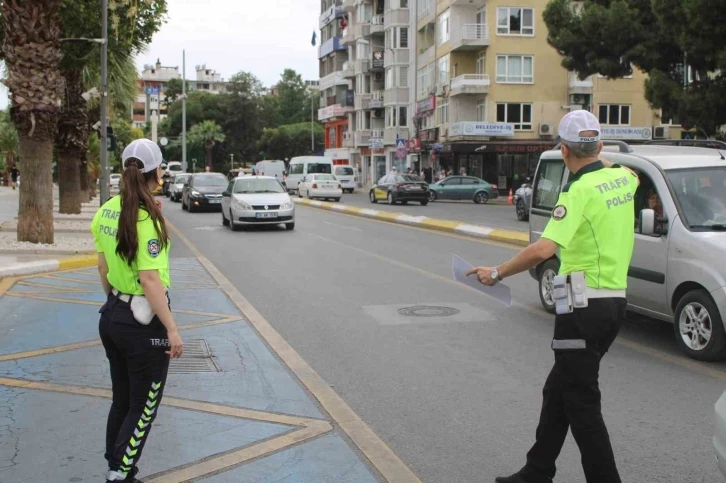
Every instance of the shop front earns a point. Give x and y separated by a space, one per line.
506 164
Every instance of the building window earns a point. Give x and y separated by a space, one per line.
515 21
443 112
669 117
444 70
397 77
397 38
481 109
425 80
614 114
515 113
389 78
515 69
427 122
444 27
396 116
481 62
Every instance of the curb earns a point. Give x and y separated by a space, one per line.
510 237
43 266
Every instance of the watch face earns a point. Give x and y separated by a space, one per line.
495 274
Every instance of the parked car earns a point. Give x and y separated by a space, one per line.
678 269
177 185
301 166
463 188
203 191
115 181
257 200
395 188
522 199
346 176
324 186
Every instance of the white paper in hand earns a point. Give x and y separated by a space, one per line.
500 292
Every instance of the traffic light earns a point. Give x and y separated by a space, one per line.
110 139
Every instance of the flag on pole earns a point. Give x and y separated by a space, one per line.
315 34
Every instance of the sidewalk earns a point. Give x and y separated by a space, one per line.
232 412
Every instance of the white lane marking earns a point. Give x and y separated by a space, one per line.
352 228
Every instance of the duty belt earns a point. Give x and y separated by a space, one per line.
604 293
123 297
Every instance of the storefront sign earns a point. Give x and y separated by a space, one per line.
522 148
414 144
375 103
481 129
426 105
331 14
376 143
627 133
377 61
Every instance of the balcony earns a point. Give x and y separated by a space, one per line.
362 101
395 57
396 17
349 5
469 3
362 139
395 96
348 139
578 86
348 35
333 112
427 56
389 135
362 66
377 25
470 84
335 79
329 46
376 101
427 14
473 129
348 69
334 12
470 36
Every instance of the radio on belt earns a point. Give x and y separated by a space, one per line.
570 292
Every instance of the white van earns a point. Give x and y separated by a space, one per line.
302 166
276 169
346 176
678 270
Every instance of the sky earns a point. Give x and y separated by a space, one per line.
263 37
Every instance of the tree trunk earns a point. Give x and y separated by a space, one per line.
71 142
83 178
209 151
35 214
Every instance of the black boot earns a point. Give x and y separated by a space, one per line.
518 478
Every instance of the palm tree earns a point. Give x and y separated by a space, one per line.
206 134
32 54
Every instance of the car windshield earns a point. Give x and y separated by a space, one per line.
175 167
701 193
407 178
210 180
257 185
319 168
324 177
344 171
181 179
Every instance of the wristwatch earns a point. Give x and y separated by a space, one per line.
495 274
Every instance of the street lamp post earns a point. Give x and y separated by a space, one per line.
184 111
232 160
105 188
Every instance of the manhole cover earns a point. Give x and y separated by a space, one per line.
196 358
428 311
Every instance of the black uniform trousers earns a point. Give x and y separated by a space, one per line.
571 395
139 364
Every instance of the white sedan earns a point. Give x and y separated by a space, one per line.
320 186
257 200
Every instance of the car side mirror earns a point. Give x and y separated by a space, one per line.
646 222
226 194
186 185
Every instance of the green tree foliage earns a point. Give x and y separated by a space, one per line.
292 98
656 36
172 91
206 134
8 141
289 141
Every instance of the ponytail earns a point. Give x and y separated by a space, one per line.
135 194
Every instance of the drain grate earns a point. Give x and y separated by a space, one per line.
196 358
428 311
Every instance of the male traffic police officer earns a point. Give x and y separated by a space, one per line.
592 225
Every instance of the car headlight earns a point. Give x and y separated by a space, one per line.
196 193
286 205
241 205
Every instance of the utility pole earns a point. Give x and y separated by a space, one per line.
184 111
105 188
312 121
232 157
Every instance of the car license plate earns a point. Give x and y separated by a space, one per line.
215 202
266 215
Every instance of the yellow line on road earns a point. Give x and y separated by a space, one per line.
378 453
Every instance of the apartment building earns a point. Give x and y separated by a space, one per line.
490 91
152 88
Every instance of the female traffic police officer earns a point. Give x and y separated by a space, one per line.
137 328
592 225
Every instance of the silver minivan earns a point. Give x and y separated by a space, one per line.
678 269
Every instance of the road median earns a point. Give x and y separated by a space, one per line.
32 267
510 237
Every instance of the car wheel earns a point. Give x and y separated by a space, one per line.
336 199
404 202
390 199
190 207
289 226
372 197
184 205
481 198
234 226
424 203
522 214
699 328
547 275
307 195
225 221
432 195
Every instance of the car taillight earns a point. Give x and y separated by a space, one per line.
494 186
315 186
399 185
